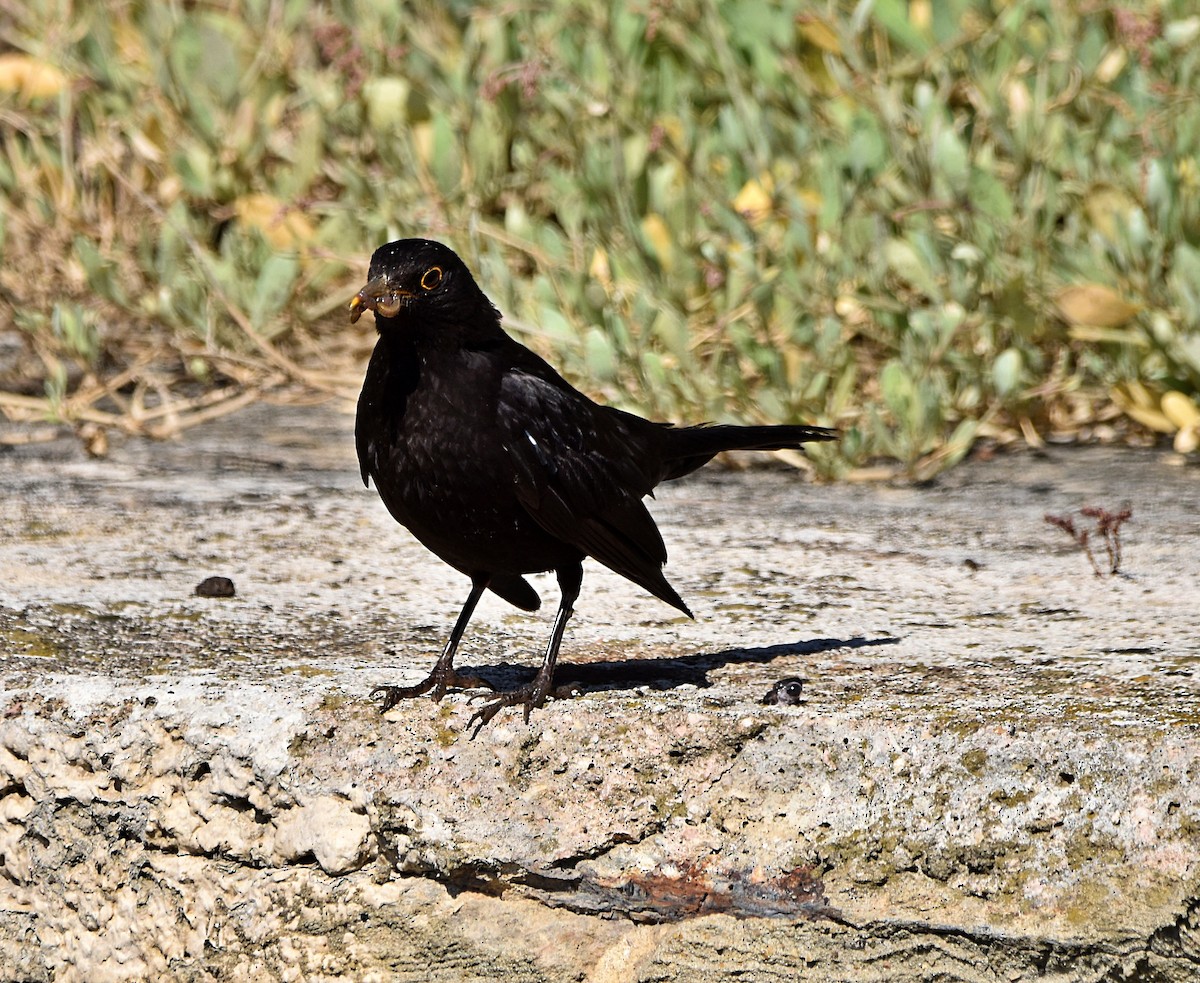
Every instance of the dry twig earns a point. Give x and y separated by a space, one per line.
1108 525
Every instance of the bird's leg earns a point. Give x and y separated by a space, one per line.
442 676
534 695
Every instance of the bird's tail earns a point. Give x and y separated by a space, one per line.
688 448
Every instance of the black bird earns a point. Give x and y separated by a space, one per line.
501 467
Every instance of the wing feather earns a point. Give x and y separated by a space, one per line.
577 475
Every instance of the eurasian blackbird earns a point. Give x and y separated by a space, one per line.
501 467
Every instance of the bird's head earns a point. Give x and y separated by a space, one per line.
417 277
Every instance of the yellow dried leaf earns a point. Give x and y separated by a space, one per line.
144 147
850 310
1111 65
281 226
920 14
818 33
1137 404
1187 440
795 365
1189 174
386 99
169 189
30 77
1107 336
1019 100
1138 393
1150 418
1094 305
1029 432
1180 410
659 237
422 138
753 202
1108 208
599 268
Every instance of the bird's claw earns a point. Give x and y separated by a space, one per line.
484 716
436 684
389 696
528 698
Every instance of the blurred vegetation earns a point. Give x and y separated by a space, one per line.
927 223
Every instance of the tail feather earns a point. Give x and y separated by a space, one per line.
688 448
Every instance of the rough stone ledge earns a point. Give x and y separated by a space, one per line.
992 775
331 844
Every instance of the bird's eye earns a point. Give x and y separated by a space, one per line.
431 277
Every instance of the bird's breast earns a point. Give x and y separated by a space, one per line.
442 469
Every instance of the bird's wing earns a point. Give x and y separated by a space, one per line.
581 471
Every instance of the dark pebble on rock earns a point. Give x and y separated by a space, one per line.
215 587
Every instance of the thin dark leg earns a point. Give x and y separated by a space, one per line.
569 581
534 695
442 676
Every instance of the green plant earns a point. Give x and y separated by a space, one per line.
924 223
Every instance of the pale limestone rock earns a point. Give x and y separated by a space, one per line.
992 775
328 827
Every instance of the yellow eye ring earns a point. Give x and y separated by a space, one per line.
431 278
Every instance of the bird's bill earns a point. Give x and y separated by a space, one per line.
379 297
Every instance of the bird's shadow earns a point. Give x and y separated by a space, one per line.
662 673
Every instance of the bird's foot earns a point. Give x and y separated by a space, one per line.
435 684
525 697
528 698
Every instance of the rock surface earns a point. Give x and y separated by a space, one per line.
991 775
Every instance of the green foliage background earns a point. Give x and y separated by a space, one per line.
921 222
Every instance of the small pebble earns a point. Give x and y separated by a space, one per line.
215 587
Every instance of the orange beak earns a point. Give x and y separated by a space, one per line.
377 296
